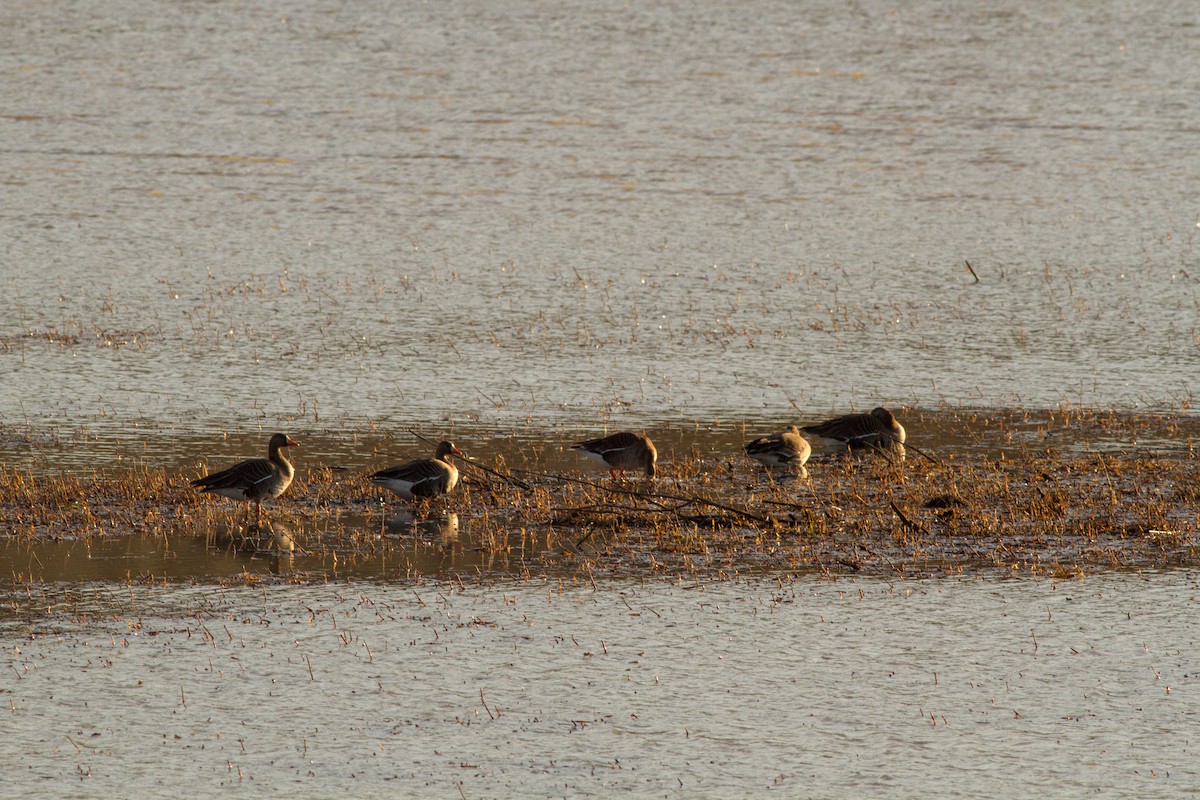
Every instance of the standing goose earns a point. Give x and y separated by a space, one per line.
255 479
877 430
778 449
621 451
423 479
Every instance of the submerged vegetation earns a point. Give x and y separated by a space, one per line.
1032 507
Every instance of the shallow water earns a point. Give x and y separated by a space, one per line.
806 687
220 217
389 545
546 447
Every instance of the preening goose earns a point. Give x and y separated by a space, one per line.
859 433
780 449
621 451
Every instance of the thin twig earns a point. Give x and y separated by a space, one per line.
912 447
587 536
1108 477
904 518
878 448
787 505
611 489
598 508
511 481
485 705
651 497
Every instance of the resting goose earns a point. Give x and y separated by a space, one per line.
877 430
256 479
779 449
621 451
423 479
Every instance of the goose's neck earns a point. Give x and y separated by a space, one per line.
276 457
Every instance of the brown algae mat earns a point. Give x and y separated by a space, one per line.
1032 506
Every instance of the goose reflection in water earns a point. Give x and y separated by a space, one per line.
442 528
274 541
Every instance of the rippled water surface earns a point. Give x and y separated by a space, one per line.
524 222
221 214
801 687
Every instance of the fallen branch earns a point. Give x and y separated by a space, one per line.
687 500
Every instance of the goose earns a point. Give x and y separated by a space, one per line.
423 479
621 451
255 479
778 449
877 430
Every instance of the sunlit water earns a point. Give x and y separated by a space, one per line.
531 221
220 215
853 688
